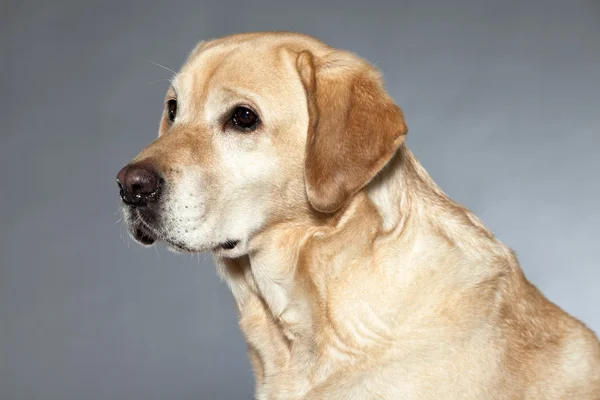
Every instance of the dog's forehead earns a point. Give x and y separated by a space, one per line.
257 69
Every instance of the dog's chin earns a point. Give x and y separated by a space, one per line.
226 249
229 249
178 248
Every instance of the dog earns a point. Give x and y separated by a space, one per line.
354 275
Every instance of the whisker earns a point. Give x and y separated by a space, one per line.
121 234
162 66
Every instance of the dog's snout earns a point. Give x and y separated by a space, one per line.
139 184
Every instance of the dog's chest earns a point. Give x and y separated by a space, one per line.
277 328
294 345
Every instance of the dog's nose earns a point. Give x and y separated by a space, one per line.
138 183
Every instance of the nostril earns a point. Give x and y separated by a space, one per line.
138 183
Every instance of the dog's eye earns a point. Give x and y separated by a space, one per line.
172 109
244 118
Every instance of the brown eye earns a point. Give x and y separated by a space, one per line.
244 118
172 109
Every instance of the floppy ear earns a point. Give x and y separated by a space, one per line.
354 127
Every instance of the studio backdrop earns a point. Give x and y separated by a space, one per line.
501 100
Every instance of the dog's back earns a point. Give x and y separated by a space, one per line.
552 353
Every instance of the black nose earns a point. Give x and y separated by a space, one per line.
139 184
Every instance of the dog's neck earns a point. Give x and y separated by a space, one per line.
298 272
280 253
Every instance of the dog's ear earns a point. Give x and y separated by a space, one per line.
354 127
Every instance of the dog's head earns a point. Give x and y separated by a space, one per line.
258 129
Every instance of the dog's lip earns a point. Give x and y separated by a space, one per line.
177 247
143 236
144 233
141 230
227 245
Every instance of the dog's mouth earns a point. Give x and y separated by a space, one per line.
142 232
228 245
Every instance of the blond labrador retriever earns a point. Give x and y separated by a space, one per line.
354 275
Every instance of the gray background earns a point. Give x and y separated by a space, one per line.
501 98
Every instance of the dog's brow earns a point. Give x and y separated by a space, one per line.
234 91
173 90
242 95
